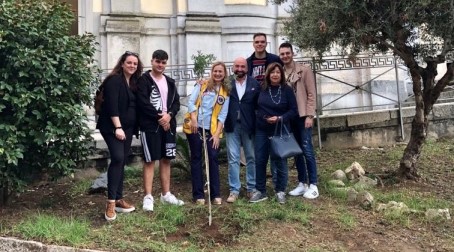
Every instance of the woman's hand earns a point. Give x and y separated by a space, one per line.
216 141
273 119
194 126
120 134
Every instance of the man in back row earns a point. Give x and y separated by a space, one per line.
257 63
260 59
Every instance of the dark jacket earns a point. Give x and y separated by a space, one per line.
266 107
246 106
148 115
270 58
116 103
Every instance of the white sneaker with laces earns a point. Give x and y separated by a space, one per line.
312 192
148 203
171 199
299 190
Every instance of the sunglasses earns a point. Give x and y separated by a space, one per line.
132 53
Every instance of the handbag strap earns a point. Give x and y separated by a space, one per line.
281 122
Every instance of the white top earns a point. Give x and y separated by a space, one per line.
240 88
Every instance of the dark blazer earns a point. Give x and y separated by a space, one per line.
246 106
116 103
148 115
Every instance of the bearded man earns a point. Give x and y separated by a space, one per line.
239 128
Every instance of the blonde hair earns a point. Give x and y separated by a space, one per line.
225 84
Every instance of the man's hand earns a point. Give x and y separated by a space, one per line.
309 122
164 121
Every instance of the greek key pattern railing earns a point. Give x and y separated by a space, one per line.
184 73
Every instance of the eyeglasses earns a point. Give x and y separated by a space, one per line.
131 53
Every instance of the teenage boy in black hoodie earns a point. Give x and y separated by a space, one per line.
158 104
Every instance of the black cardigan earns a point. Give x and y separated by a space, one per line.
116 103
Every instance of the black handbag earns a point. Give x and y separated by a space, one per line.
284 145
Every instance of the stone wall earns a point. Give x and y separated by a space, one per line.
380 128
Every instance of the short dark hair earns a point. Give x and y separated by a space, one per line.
160 55
259 34
286 45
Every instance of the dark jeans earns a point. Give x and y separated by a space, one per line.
305 163
198 182
119 152
262 154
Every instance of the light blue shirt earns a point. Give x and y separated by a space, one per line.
206 108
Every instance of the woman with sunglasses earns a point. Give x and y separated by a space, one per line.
208 105
117 124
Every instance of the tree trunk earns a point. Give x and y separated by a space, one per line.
407 168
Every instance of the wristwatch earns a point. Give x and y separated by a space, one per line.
311 116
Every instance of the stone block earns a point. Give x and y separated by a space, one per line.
333 122
366 118
123 25
441 111
406 112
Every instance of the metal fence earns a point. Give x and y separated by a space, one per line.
344 85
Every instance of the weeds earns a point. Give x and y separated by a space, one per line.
53 229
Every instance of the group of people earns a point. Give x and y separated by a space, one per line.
266 90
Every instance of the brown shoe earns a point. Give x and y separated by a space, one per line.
200 202
232 197
121 206
110 214
217 201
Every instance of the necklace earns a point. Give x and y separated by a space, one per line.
275 96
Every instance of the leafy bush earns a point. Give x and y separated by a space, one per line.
44 85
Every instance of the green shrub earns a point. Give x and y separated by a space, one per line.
44 85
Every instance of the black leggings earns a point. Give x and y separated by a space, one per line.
119 152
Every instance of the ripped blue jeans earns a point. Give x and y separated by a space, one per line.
306 164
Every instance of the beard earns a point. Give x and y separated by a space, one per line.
240 74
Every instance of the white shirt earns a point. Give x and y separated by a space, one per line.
241 88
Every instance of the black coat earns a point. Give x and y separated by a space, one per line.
148 115
116 103
246 106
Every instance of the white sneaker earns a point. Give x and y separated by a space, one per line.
312 192
148 203
299 190
171 199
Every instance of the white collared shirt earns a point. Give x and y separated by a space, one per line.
241 88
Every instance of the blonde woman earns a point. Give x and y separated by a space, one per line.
208 105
